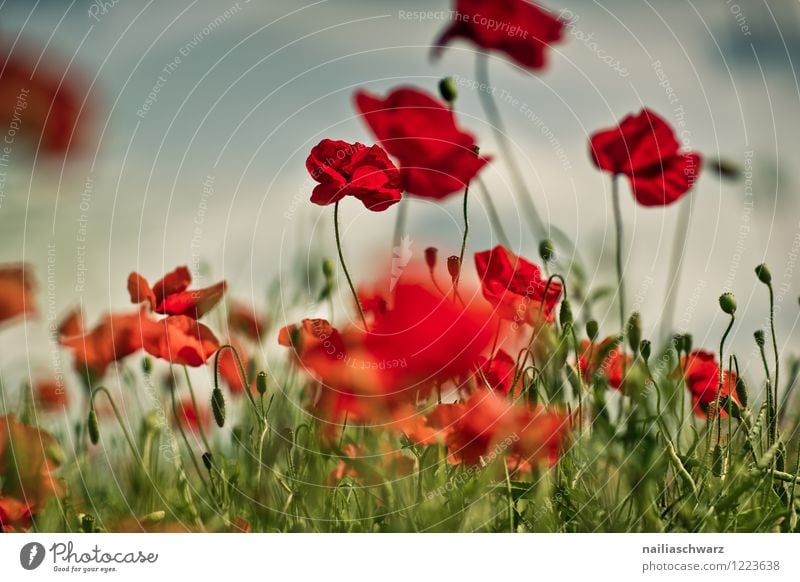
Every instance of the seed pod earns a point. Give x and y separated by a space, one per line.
218 407
592 329
687 342
547 250
635 331
759 335
727 302
731 407
261 383
645 348
430 257
93 426
741 392
453 267
763 274
87 523
448 89
565 313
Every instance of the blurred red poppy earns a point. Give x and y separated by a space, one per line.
353 169
702 380
436 157
644 148
191 418
181 340
515 286
498 372
50 396
604 358
17 289
171 296
14 515
519 28
244 320
229 367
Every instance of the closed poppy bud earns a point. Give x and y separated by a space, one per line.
635 331
208 461
147 365
453 266
759 335
687 342
741 391
261 383
448 89
645 349
731 407
430 257
727 303
727 169
763 274
592 329
327 268
93 426
87 523
547 250
565 314
218 407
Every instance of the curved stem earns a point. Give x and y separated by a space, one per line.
466 234
770 401
179 422
241 372
196 409
118 416
777 361
676 266
618 226
716 410
344 265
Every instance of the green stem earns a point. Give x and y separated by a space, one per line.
196 409
676 266
494 216
716 410
241 372
179 422
118 416
618 227
777 361
344 265
466 234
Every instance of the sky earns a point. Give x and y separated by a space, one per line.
204 112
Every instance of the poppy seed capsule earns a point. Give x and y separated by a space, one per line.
448 89
430 257
261 383
727 303
635 331
645 348
453 266
592 329
759 335
547 250
763 274
93 426
218 407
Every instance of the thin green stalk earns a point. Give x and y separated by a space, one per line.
466 234
196 409
121 423
679 244
242 372
777 360
494 216
344 265
716 410
618 228
185 439
771 422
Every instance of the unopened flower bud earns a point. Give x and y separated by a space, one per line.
687 342
454 266
94 427
741 392
208 461
565 314
724 168
218 407
87 523
327 269
763 274
547 250
147 365
448 89
592 329
430 257
727 303
645 348
635 331
759 335
261 383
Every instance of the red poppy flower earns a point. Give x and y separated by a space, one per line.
498 372
170 295
71 324
702 381
436 157
515 286
191 418
50 396
352 169
245 321
17 289
519 28
14 515
115 337
644 148
604 359
181 340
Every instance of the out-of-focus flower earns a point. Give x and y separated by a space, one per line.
17 289
244 320
171 296
519 28
50 396
229 367
515 286
702 380
645 150
497 373
374 468
353 169
181 340
604 358
436 157
191 418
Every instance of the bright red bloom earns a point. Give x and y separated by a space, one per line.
604 359
352 169
519 28
498 372
17 289
181 340
193 419
244 320
702 381
115 337
50 396
436 157
171 296
71 324
515 286
644 148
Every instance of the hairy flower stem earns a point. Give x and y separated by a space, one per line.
771 420
186 442
344 265
242 372
618 226
465 237
494 216
121 423
716 412
774 426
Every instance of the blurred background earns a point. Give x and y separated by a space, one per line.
193 119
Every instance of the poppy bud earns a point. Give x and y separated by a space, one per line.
677 342
731 407
218 407
726 169
717 461
261 383
327 269
93 426
687 342
87 523
448 89
430 257
727 303
741 391
635 331
454 267
565 314
147 365
645 349
208 461
592 329
759 335
763 274
547 250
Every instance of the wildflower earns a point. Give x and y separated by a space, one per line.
181 340
17 289
246 321
50 396
170 295
702 381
